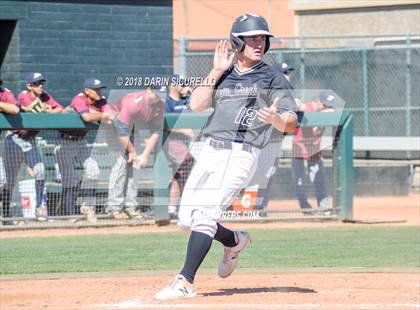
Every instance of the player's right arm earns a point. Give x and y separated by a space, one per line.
92 116
8 108
80 105
202 95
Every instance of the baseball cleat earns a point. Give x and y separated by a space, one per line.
89 212
179 288
231 255
40 214
133 214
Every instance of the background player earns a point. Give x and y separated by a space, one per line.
177 144
138 110
268 159
249 99
8 105
178 95
307 155
20 144
73 152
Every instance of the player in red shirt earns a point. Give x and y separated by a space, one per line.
20 145
8 105
138 110
307 154
73 151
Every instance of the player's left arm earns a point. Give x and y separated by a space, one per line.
282 121
282 113
53 106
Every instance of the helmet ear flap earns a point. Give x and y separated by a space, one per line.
237 43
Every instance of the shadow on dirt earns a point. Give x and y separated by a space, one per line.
256 290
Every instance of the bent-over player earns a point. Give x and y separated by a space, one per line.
134 111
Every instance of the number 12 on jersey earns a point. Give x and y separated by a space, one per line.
245 117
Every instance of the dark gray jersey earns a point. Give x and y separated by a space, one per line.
238 96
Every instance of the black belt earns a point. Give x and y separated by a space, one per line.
227 145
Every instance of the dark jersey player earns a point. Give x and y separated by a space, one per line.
249 101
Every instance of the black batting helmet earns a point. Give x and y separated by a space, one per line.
249 25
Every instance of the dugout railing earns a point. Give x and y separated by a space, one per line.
154 186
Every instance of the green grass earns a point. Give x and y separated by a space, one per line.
294 248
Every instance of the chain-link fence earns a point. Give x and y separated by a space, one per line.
377 77
77 176
57 176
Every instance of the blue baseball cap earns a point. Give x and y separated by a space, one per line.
327 98
93 83
34 77
283 68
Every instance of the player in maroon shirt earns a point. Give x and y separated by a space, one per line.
8 105
73 151
20 145
138 110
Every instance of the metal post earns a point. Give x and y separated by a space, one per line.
365 92
345 162
161 185
302 69
408 87
183 56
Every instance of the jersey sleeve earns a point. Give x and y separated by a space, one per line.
122 129
281 88
79 105
24 99
49 100
9 97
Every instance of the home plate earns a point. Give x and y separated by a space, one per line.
128 304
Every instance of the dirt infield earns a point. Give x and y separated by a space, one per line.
247 289
280 290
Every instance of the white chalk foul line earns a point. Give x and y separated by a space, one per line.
134 304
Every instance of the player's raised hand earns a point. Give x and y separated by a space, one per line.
267 114
222 60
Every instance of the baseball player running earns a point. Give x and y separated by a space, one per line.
20 144
72 151
249 100
8 105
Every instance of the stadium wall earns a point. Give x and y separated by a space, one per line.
69 41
